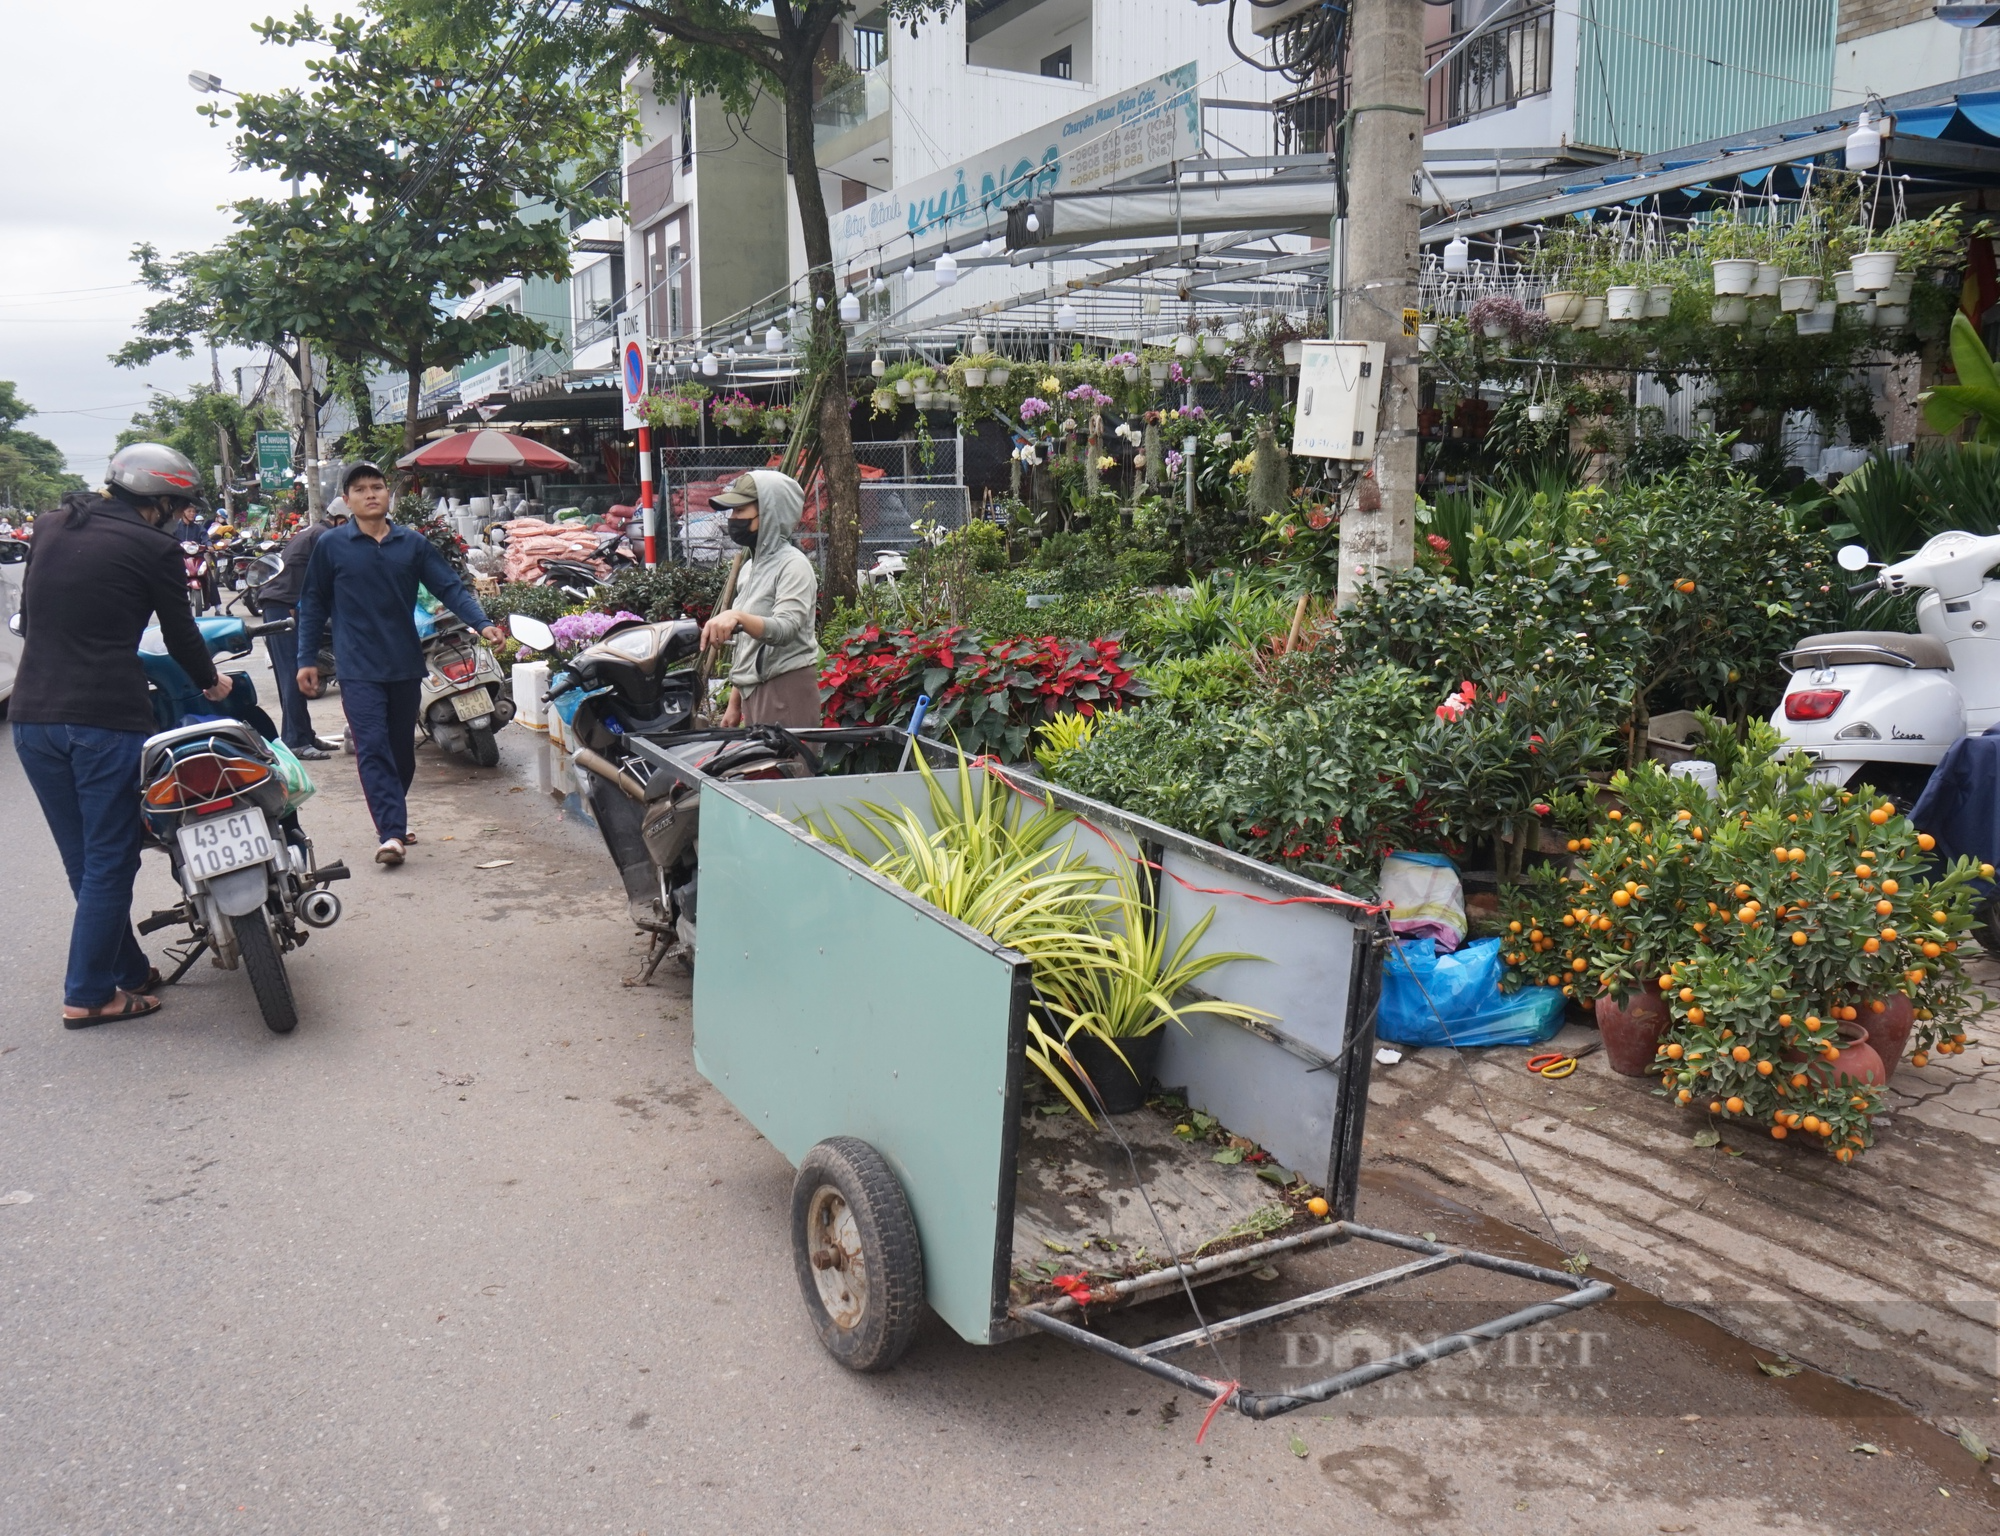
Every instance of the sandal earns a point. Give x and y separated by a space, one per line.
137 1006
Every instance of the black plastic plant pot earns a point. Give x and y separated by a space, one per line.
1117 1086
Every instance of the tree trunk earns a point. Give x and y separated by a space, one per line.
413 379
828 352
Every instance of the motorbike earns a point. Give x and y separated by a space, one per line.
464 701
579 578
1881 707
217 798
638 684
198 567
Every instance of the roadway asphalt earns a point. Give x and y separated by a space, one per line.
477 1250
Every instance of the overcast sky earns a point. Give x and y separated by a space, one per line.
104 150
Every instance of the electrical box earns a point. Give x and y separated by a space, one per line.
1340 399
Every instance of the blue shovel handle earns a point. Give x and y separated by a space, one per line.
916 725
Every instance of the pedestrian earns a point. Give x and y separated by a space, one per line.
99 569
277 600
774 670
363 579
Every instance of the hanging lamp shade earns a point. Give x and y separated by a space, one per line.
946 270
1066 317
1457 256
850 307
774 340
880 285
710 364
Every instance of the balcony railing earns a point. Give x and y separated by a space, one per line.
1504 65
851 105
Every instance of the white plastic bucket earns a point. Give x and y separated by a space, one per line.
1731 309
1798 293
1659 301
1593 313
1873 270
1625 303
1734 275
1765 285
1562 306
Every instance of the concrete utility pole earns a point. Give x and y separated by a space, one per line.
309 432
1385 151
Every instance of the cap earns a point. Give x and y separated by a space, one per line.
742 492
356 470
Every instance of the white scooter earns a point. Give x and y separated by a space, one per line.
1882 708
465 698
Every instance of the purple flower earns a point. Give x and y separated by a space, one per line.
1175 460
1090 395
1174 373
573 631
1124 359
1034 406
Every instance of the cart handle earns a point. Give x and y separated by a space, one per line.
916 725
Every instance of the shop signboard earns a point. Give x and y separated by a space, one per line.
274 460
1141 129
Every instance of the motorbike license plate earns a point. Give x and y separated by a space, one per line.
219 844
473 703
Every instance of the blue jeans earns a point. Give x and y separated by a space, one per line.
297 728
382 723
87 780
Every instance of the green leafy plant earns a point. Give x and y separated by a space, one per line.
1976 395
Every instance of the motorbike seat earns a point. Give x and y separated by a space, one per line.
1859 647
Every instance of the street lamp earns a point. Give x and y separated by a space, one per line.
209 85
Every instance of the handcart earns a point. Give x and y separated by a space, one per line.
878 1044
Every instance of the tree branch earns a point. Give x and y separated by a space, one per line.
745 43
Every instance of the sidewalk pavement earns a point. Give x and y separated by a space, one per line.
1885 1273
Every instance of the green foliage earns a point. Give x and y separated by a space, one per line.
190 423
1241 614
416 181
33 473
545 603
1219 679
665 592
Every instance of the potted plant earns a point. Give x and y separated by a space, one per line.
1798 294
736 412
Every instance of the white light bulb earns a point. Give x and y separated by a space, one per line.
946 270
819 302
709 364
878 367
850 307
774 340
1034 222
1864 145
1457 256
880 285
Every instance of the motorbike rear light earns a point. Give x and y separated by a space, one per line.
201 778
459 668
1813 703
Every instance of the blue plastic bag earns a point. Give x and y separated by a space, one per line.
1455 999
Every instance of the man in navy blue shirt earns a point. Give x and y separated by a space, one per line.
364 578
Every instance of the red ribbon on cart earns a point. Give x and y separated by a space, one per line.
1341 899
1225 1391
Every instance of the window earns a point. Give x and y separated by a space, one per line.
666 280
590 295
871 47
1057 65
1051 38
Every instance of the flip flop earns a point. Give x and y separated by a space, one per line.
136 1007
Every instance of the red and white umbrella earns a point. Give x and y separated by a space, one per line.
487 452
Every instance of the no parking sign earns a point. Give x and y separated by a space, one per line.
631 368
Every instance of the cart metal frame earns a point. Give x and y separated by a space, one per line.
831 1002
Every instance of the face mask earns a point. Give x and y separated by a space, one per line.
740 532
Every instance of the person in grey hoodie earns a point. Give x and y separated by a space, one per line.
774 674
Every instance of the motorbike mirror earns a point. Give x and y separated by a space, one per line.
532 633
1853 557
18 625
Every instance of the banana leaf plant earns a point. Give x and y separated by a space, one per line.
1976 395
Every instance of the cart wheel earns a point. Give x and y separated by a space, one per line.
854 1244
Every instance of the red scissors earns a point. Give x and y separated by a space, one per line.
1559 1064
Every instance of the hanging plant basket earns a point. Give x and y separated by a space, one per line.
1730 309
975 377
1562 306
1593 313
1659 301
1214 346
1131 373
1295 353
1625 302
1818 321
1901 287
903 390
1797 294
1733 275
998 377
1157 372
1765 284
1873 270
1844 291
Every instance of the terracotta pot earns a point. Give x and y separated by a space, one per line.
1632 1033
1889 1030
1857 1059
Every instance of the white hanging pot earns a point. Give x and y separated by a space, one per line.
1730 309
1131 373
1818 321
1796 294
974 377
1872 270
1215 346
923 399
1295 353
902 389
1733 275
998 377
1763 313
1538 412
1765 284
1493 330
1901 286
1427 335
1157 372
1892 317
1200 374
1843 287
1660 301
1562 306
1184 347
1625 303
1593 313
